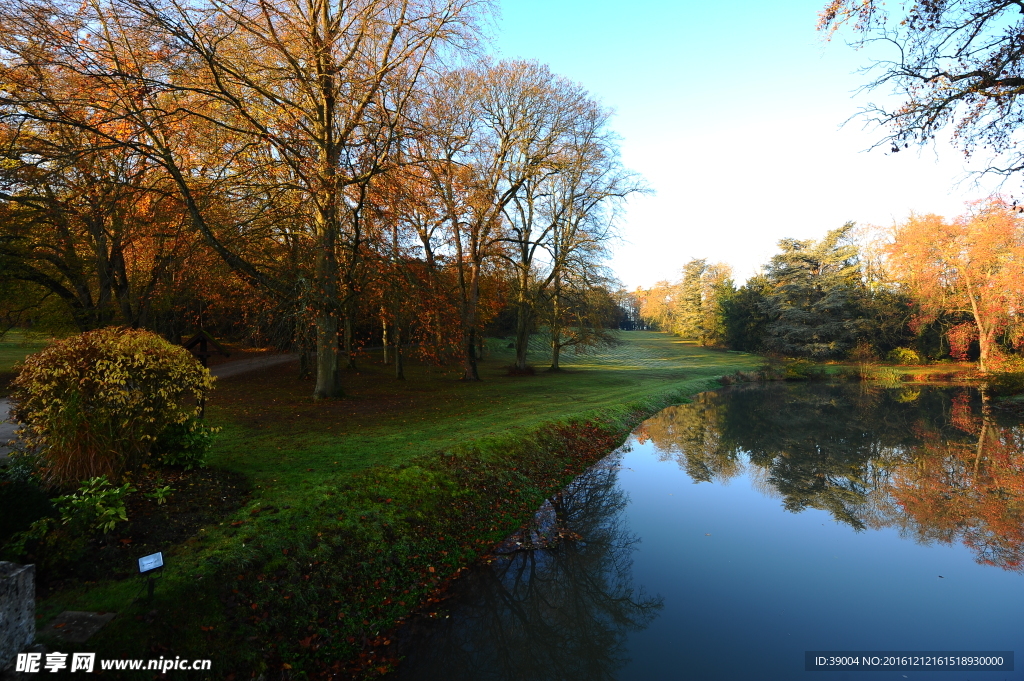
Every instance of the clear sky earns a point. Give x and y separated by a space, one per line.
733 114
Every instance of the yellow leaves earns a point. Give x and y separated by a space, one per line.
94 403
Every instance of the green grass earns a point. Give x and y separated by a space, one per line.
384 421
363 506
15 346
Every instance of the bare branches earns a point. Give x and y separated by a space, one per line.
960 66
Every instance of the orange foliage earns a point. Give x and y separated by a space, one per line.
973 265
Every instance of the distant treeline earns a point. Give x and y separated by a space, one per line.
927 288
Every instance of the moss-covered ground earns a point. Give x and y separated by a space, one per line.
362 508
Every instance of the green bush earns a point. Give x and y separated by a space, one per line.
94 404
903 356
96 506
801 370
791 370
185 444
53 542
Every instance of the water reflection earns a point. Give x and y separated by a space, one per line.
937 464
561 612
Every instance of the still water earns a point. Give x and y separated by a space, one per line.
731 535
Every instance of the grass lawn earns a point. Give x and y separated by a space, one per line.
361 508
14 347
385 421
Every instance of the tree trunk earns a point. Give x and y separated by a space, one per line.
326 358
556 326
522 334
470 372
399 366
327 386
384 335
350 358
469 308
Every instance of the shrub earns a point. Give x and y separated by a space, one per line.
801 370
53 543
94 404
888 375
97 505
903 356
185 444
862 353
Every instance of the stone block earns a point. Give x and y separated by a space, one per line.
17 610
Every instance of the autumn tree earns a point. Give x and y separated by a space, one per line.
657 306
972 265
493 129
693 307
92 226
292 99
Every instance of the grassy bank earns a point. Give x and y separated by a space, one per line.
362 508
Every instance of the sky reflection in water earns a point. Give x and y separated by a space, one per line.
733 534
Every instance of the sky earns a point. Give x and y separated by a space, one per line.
734 114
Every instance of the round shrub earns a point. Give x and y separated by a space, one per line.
904 356
94 404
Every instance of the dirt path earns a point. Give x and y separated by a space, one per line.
242 366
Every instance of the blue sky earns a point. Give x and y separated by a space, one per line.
733 114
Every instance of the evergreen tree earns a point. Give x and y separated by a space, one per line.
744 316
816 295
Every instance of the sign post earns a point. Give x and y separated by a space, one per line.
149 565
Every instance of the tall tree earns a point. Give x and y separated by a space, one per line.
973 265
494 129
300 98
815 291
562 219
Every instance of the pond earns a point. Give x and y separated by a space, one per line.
729 537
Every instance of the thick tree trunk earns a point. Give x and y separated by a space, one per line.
470 372
469 310
327 384
350 358
522 334
399 365
327 358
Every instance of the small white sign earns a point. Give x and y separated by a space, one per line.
151 562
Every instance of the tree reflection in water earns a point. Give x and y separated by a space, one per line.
936 463
554 613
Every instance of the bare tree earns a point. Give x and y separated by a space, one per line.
957 64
